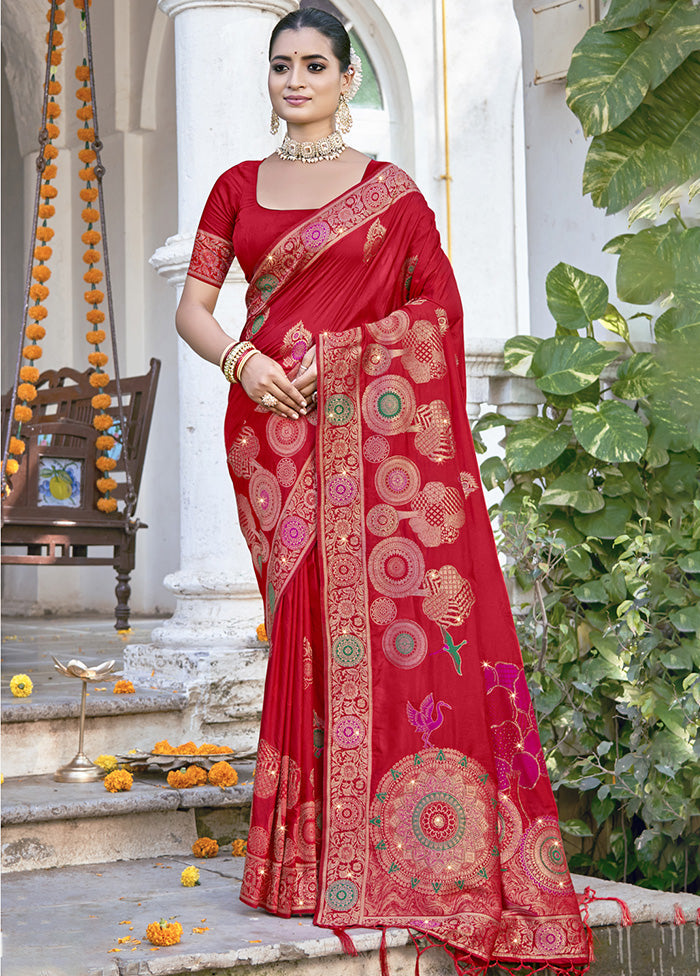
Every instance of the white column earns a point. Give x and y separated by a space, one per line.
208 647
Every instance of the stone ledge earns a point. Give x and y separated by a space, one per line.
69 707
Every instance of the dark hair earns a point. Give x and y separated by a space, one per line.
324 23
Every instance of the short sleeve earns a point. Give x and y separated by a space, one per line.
213 253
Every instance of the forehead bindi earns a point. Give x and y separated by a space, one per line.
304 43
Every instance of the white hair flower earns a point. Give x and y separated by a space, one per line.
356 65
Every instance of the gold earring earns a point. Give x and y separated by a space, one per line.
343 119
274 123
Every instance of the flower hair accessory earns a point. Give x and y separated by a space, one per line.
356 65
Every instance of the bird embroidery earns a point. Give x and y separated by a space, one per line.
453 650
427 718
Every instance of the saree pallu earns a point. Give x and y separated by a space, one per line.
400 778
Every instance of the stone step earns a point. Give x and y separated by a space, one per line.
65 921
47 824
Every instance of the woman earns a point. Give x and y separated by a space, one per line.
400 779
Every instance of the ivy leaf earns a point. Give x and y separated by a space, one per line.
612 431
535 443
606 524
518 353
575 828
566 365
574 297
627 13
574 489
690 562
591 592
615 322
686 619
494 473
636 376
579 563
616 244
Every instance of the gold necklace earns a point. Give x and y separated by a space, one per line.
330 147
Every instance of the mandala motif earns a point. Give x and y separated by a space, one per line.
375 194
434 436
294 345
388 404
397 480
265 497
244 450
440 514
550 938
543 856
350 815
342 895
258 841
390 329
432 823
468 482
348 650
405 644
510 827
266 284
286 472
315 235
451 597
376 359
285 436
307 834
376 448
267 768
339 409
382 520
423 356
345 569
382 611
396 566
342 489
349 732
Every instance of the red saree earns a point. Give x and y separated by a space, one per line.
400 779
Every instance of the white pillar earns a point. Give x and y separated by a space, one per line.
208 647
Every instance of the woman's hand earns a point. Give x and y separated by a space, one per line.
306 380
261 375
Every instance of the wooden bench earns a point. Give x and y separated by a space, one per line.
50 517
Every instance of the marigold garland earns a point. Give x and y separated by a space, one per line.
120 781
223 774
21 685
205 847
164 933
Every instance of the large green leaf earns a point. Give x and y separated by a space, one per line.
627 13
494 473
609 523
612 431
567 364
535 443
615 322
518 353
686 619
637 376
574 297
574 489
611 71
658 145
659 261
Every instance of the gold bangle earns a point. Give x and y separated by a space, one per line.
243 360
224 354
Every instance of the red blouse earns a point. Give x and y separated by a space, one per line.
234 223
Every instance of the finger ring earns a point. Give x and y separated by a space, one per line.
268 400
314 396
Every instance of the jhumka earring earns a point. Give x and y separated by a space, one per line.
343 119
274 123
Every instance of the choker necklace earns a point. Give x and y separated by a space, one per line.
330 147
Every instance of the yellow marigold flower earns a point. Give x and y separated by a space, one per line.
58 18
32 352
56 58
84 93
107 762
163 748
119 781
50 152
186 749
205 847
26 391
94 296
17 446
52 129
261 633
89 193
55 87
23 414
90 215
21 685
190 877
29 374
41 272
88 172
49 173
223 774
39 292
239 847
164 933
123 688
86 134
105 464
91 256
42 252
48 192
87 155
107 505
84 113
11 466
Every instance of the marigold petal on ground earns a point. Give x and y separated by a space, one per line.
239 847
164 933
123 688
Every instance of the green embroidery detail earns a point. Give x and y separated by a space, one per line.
395 775
460 884
453 650
394 867
414 882
495 851
381 846
376 821
417 761
381 797
441 756
482 779
437 885
257 324
482 873
464 762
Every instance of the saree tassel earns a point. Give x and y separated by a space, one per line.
383 958
678 915
345 941
589 896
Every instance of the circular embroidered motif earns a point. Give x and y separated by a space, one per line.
339 410
294 532
390 329
342 489
265 497
389 404
510 827
348 650
285 436
286 472
543 856
550 937
396 566
349 732
376 448
382 611
432 822
257 323
258 841
267 769
266 284
375 195
405 644
342 895
397 480
349 814
345 569
244 450
307 831
382 520
376 359
316 235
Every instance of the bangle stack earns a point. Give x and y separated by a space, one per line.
233 359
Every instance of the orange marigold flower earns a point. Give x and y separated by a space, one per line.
17 446
186 749
87 155
123 688
163 748
260 632
23 414
93 276
59 16
50 152
223 774
42 252
45 233
96 336
53 110
48 192
239 847
82 72
29 374
98 379
101 401
57 38
11 466
87 134
107 505
177 778
35 332
95 316
88 173
97 358
41 273
105 484
27 392
205 847
84 93
46 210
84 113
105 442
32 352
118 781
161 933
91 256
56 58
80 4
53 130
50 172
37 291
55 87
90 215
89 193
102 421
94 296
91 237
105 463
37 313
